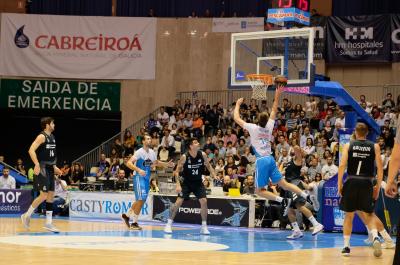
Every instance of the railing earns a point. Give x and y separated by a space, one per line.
20 178
91 158
227 97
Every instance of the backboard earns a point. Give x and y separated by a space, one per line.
287 52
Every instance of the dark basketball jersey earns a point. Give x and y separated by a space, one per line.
193 168
292 171
361 161
46 152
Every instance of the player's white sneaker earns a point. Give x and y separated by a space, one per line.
369 240
51 228
388 244
168 229
25 219
295 235
318 228
204 230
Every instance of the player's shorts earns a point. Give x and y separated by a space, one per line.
266 170
141 187
296 199
197 188
45 180
357 195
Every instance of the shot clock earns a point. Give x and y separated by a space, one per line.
300 4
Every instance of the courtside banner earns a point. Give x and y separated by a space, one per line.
244 24
106 205
77 47
221 211
15 201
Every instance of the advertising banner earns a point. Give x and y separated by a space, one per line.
15 201
244 24
319 26
60 95
332 216
106 205
358 39
221 211
279 15
395 37
77 46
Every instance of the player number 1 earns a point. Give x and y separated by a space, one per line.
358 168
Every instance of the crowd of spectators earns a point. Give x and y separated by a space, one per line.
314 127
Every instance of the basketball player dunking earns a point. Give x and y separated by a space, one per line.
266 169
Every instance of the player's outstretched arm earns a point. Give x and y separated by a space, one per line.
278 92
236 113
164 164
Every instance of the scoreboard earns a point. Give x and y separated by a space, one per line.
300 4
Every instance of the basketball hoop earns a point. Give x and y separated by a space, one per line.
260 84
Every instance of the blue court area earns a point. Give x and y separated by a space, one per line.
242 240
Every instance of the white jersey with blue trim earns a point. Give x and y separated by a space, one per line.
144 160
260 138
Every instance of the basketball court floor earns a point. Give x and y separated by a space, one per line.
99 242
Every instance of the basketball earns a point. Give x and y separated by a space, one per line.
280 79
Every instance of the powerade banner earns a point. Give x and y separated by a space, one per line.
395 37
77 46
106 205
15 201
60 95
221 211
358 39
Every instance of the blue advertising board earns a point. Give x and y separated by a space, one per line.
279 15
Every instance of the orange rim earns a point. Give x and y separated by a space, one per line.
265 78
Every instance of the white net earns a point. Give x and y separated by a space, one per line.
259 84
259 90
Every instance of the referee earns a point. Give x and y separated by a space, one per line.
391 187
